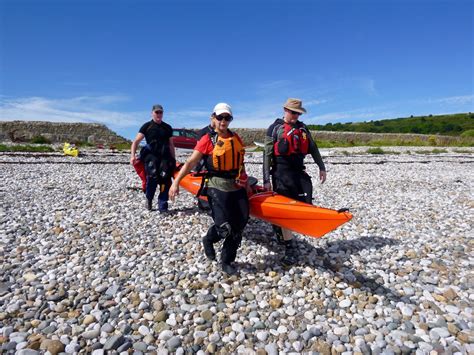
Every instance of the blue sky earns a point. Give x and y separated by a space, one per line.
109 61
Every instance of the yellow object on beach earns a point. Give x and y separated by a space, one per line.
71 150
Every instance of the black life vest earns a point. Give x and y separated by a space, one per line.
156 145
290 140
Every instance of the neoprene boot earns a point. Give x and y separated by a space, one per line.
229 252
278 234
291 252
208 243
149 204
229 269
229 248
208 248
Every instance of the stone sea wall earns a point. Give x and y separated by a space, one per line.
57 132
257 135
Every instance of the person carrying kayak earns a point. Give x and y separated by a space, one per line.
286 144
158 157
203 205
225 186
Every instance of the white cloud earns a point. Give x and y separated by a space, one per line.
363 114
258 113
368 85
314 102
189 118
456 100
77 109
273 85
246 115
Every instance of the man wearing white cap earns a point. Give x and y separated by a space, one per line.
287 142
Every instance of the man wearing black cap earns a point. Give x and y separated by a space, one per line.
158 156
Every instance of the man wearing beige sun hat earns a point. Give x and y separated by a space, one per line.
287 142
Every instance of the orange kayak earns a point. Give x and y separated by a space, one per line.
285 212
298 216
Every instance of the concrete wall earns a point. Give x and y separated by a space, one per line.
58 132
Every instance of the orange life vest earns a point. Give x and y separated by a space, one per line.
227 157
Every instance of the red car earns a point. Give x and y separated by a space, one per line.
184 138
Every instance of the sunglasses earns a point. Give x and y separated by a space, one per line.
158 112
227 118
294 112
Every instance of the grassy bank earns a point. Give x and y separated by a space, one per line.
46 148
26 148
452 125
387 142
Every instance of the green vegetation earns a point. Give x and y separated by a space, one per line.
453 125
121 146
397 141
379 150
463 151
40 140
438 151
334 144
256 149
468 133
25 148
433 151
83 144
376 151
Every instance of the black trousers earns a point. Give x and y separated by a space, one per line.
230 212
153 179
292 183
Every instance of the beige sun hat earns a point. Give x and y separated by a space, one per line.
294 105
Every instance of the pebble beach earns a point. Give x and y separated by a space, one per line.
86 268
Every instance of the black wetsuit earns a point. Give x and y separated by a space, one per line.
155 157
230 213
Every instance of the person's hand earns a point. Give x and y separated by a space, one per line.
322 176
174 191
133 160
249 190
267 186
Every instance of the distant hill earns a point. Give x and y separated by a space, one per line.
452 125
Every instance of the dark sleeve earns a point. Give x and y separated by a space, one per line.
203 132
268 154
144 128
314 151
169 130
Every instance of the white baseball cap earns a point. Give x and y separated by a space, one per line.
221 108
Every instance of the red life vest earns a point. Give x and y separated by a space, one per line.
289 140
